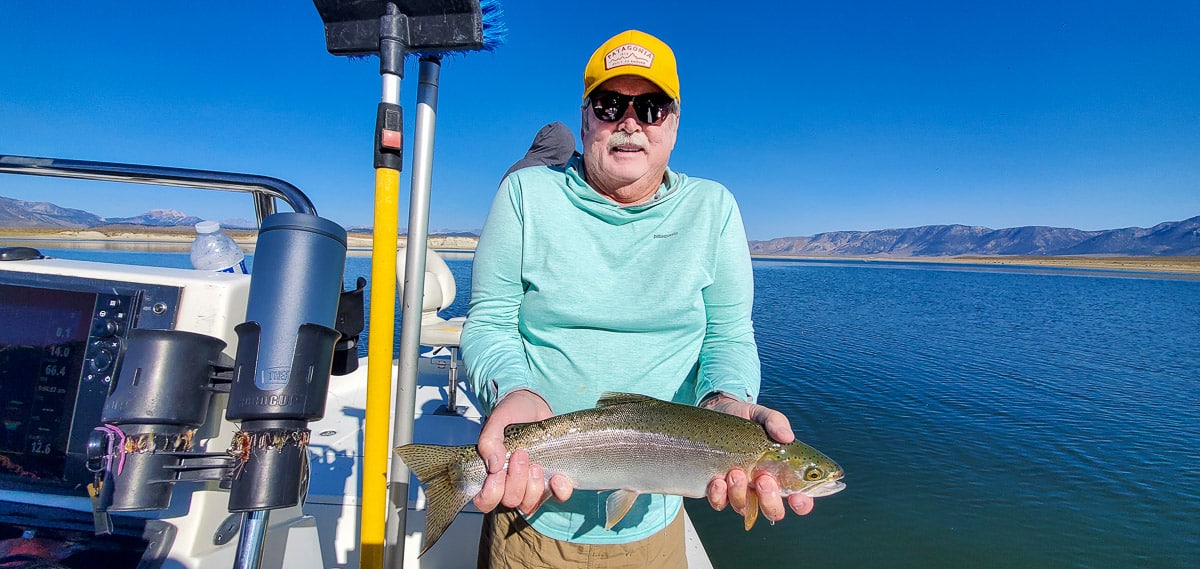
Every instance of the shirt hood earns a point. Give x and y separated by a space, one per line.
586 198
553 145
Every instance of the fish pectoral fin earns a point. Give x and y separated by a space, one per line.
617 505
751 508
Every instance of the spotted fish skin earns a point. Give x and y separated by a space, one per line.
629 443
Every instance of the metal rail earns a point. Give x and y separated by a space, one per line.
264 189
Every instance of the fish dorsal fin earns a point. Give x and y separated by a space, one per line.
610 398
617 505
513 429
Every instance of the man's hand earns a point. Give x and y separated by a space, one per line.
733 489
523 484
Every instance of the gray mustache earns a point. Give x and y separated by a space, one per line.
620 138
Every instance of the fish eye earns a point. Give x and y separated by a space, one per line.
813 474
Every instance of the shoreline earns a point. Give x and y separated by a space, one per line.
359 244
1126 263
177 240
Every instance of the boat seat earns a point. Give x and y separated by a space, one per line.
437 332
440 291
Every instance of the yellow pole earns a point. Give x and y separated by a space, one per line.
379 369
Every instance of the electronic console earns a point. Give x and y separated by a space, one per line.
62 339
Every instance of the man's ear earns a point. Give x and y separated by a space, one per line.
583 121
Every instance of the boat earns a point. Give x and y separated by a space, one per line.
83 331
167 417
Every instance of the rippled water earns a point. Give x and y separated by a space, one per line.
986 417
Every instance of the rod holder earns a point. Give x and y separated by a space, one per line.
284 358
160 397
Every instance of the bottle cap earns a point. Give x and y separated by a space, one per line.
207 227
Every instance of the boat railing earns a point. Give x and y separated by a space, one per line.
263 189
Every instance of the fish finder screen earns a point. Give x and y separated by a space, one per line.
43 337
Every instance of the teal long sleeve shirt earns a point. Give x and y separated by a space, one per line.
574 295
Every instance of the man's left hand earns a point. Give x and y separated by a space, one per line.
732 490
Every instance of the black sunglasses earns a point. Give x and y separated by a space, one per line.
650 108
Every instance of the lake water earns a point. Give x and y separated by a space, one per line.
985 417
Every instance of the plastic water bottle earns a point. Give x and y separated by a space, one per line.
213 250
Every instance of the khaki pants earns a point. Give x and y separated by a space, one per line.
507 541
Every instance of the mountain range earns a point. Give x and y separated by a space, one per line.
1165 239
45 215
1169 238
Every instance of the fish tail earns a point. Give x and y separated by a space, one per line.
444 496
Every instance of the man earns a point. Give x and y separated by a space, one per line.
553 145
612 273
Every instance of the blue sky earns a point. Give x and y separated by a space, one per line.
819 116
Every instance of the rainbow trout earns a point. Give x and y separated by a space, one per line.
624 444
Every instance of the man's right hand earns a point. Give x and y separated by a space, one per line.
523 484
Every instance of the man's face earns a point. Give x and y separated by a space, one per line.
626 158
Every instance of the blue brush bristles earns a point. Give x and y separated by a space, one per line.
495 32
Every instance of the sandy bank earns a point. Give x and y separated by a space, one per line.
179 239
1187 265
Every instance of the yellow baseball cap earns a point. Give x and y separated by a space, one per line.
633 53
